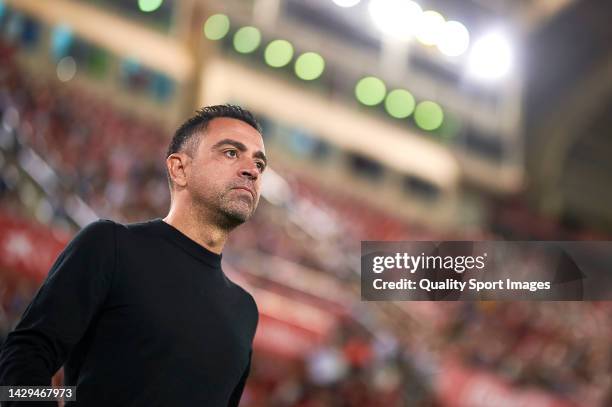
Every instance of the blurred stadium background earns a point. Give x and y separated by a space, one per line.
384 120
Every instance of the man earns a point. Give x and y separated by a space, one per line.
142 314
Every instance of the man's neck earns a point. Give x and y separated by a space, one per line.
196 226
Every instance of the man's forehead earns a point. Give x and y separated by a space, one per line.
229 128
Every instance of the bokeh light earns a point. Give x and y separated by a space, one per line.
395 18
148 6
309 66
428 115
247 39
454 39
370 91
66 69
346 3
399 103
429 27
61 41
216 27
278 53
491 57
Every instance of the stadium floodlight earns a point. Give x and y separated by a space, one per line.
395 18
247 39
454 39
491 57
148 6
429 27
370 91
399 103
216 27
309 66
428 115
346 3
278 53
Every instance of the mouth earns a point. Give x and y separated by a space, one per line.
250 191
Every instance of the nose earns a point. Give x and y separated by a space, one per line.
249 170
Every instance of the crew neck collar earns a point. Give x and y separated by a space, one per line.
195 249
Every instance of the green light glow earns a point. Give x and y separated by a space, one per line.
370 91
278 53
428 115
148 6
399 103
247 39
216 27
309 66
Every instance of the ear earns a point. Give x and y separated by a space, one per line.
177 164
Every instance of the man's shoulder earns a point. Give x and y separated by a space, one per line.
249 298
108 230
248 301
249 308
124 228
99 230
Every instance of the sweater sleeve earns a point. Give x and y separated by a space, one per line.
234 400
62 309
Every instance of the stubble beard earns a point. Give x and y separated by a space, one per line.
227 212
235 211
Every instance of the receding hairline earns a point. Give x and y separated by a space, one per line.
200 120
193 142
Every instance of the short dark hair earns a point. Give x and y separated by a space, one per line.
198 123
200 120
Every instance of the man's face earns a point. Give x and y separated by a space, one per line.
225 172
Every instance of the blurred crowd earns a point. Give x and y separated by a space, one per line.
110 159
15 295
351 369
561 347
114 162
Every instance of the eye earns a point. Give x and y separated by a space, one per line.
231 153
261 166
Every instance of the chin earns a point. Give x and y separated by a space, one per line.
240 217
237 216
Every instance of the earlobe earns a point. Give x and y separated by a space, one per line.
176 168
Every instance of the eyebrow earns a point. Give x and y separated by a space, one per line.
240 146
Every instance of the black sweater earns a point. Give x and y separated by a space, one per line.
140 315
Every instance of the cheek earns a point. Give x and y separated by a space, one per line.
210 180
205 172
201 181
